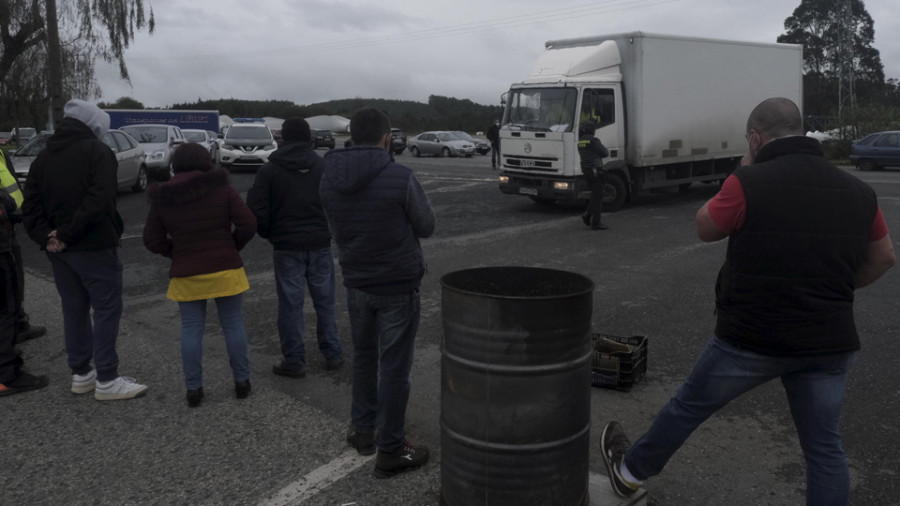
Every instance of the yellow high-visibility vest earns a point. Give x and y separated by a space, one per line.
8 182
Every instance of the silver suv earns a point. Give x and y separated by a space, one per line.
159 142
247 143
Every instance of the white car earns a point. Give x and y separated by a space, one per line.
247 143
203 138
159 142
439 144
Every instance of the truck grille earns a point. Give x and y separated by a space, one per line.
530 164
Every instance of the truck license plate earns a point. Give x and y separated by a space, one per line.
528 191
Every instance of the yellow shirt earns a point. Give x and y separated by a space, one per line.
208 286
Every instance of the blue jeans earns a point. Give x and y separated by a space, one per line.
313 269
193 320
384 331
815 391
89 280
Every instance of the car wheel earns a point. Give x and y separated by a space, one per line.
415 151
141 183
445 152
614 192
867 165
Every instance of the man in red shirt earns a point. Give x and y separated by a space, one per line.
802 236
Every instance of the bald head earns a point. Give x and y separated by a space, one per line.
774 118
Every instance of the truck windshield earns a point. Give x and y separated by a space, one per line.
541 109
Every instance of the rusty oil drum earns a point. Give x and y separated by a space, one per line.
515 387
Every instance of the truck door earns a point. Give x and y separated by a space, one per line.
602 107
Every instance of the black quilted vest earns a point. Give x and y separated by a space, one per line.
786 287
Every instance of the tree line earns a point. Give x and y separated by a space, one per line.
439 113
845 87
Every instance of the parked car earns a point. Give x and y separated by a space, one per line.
132 166
130 158
247 143
22 135
5 138
22 156
482 147
398 141
159 142
203 138
321 139
440 143
876 151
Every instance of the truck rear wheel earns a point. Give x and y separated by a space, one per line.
614 192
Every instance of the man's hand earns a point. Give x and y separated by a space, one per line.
54 245
747 159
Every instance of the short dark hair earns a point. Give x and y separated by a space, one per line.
191 156
295 129
368 125
776 117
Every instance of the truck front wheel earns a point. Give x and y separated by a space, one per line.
614 192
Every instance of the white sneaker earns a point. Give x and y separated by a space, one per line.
84 383
122 387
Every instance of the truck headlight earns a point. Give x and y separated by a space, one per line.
562 186
504 179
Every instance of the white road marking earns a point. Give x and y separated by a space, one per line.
318 480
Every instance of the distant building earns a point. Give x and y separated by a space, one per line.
333 123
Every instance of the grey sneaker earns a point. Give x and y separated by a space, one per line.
613 443
364 442
405 458
120 388
84 383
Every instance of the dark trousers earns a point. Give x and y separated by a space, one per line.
595 206
495 155
89 280
21 315
384 329
10 362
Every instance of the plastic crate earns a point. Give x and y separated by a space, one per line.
619 370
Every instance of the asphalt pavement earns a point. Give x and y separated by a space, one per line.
285 443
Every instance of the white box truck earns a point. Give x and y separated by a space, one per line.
671 110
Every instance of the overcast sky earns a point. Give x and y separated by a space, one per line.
308 51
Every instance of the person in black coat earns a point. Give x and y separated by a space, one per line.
493 135
285 200
70 211
592 151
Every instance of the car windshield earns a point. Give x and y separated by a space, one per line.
147 134
464 136
248 132
194 136
447 136
33 146
540 109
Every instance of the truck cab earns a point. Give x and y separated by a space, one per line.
539 139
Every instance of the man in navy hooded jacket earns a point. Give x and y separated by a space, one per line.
377 212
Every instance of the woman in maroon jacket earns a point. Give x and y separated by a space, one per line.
201 223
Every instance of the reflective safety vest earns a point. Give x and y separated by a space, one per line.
8 182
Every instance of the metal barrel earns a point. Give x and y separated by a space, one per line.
515 387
